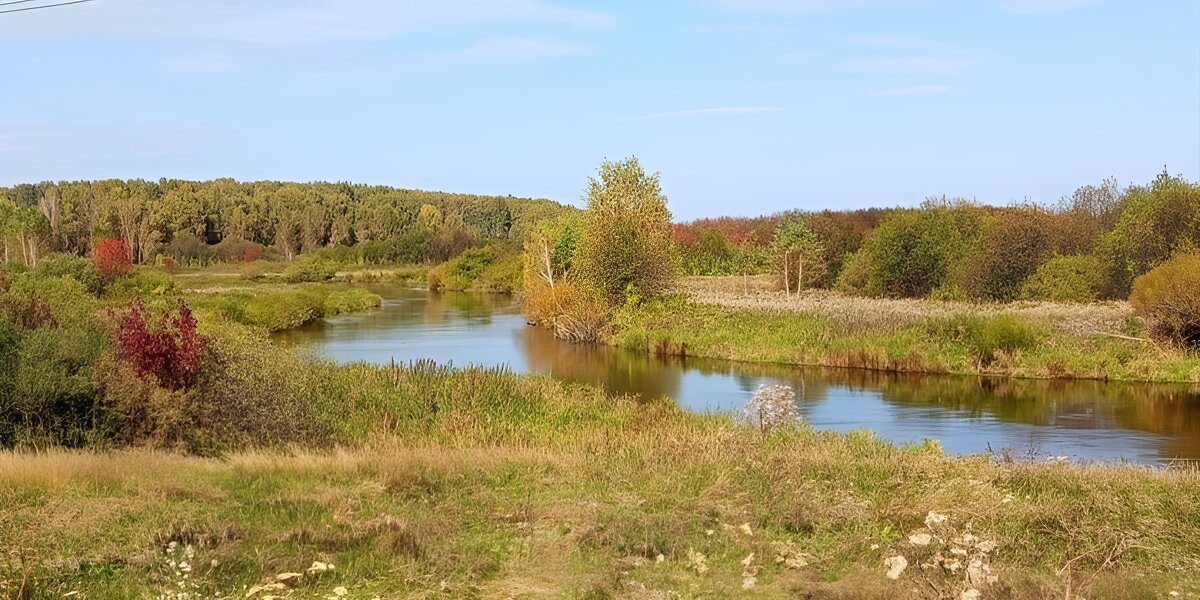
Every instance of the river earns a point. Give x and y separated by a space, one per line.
1082 420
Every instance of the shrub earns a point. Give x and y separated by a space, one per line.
855 276
63 301
142 282
189 250
1064 279
1015 243
706 253
111 257
626 234
987 337
841 234
460 273
915 251
50 395
1169 298
169 350
235 249
75 267
1155 222
306 270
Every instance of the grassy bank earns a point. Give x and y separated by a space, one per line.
454 484
1031 340
279 307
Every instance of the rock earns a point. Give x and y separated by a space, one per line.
895 566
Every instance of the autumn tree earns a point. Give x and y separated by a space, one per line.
798 256
112 259
626 243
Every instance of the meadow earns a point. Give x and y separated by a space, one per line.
744 319
434 483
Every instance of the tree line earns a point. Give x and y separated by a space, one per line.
1091 245
199 221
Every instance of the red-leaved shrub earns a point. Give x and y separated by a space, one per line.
170 352
111 257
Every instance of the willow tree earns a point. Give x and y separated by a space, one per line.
626 244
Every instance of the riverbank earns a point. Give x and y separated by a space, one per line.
487 484
739 319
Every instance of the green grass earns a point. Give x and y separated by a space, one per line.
965 343
276 308
462 484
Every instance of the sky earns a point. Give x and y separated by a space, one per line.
746 107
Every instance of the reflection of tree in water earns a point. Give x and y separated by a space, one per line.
1168 410
474 308
618 371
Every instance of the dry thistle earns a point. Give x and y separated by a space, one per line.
772 405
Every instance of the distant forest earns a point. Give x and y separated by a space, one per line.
224 219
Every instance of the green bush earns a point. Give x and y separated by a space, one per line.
49 395
309 270
143 281
78 268
855 274
1155 222
988 337
1065 279
1169 298
914 252
69 301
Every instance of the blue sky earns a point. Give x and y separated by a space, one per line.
745 106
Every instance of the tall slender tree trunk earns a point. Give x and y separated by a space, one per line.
799 274
787 273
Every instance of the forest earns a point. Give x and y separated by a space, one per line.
195 223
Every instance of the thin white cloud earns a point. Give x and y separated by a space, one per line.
790 5
1043 5
514 48
914 90
890 66
899 42
285 22
709 112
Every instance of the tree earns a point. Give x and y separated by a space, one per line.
626 242
799 257
111 257
1169 298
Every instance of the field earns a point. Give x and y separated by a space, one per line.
742 319
485 484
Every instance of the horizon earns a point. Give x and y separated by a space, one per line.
746 108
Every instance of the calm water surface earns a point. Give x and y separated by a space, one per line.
1145 423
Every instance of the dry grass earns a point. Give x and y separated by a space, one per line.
587 512
859 314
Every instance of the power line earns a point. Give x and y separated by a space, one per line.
12 10
16 2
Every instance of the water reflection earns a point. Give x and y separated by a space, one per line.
1088 420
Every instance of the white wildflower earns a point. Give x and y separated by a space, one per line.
919 539
746 529
874 546
340 591
659 559
772 405
709 532
895 566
